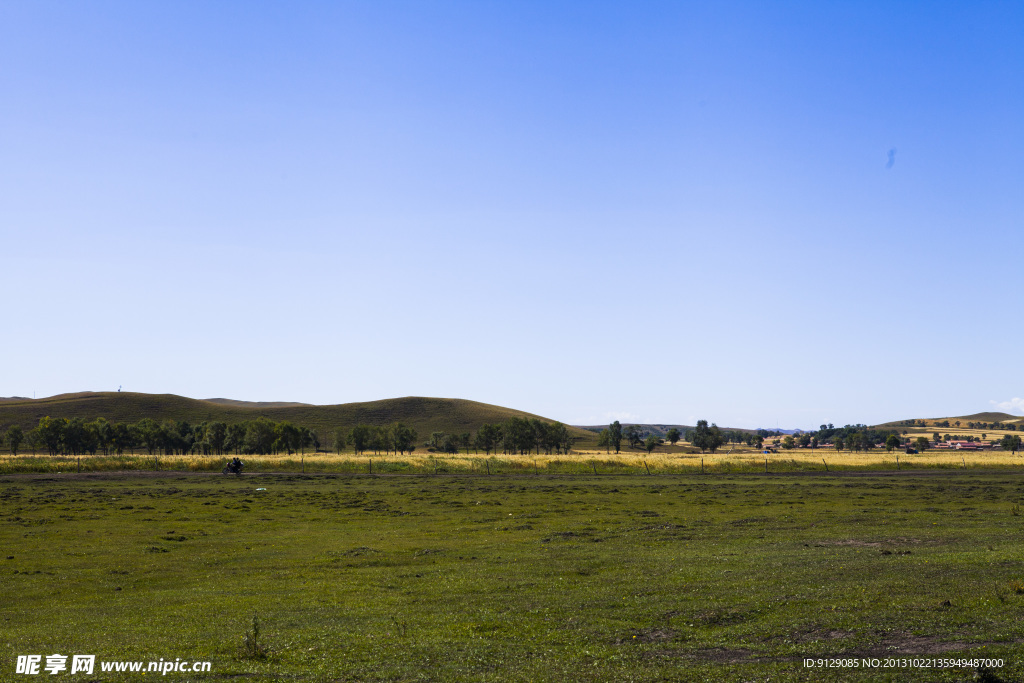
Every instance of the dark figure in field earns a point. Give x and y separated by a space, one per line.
234 467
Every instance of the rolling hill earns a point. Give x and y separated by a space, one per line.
425 415
963 419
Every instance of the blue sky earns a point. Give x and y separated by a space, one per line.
761 214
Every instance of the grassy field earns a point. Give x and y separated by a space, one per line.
666 460
517 577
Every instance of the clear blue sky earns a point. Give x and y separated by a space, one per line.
761 214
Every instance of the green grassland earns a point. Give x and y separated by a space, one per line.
425 415
516 577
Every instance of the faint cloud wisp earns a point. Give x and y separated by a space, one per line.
892 158
1014 405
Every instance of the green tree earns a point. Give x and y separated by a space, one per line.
102 432
1011 443
706 438
922 444
288 437
892 442
699 435
488 437
605 439
51 433
651 442
517 435
788 443
215 437
340 440
672 435
615 435
633 435
260 436
404 438
14 437
359 437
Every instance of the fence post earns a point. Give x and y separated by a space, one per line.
487 462
702 465
646 467
897 461
371 465
303 464
766 465
594 465
825 464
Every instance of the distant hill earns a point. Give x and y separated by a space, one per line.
962 419
425 415
254 404
660 430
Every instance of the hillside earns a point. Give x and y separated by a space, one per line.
963 419
425 415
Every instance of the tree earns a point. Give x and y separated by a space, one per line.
488 437
615 435
51 433
604 439
634 435
517 435
359 437
706 438
673 436
758 441
788 443
404 438
1009 443
922 444
839 443
288 437
259 436
715 438
14 437
651 442
699 435
339 439
216 436
892 442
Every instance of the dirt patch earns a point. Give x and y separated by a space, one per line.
908 644
717 655
858 543
651 635
814 634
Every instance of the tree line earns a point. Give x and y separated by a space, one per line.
515 435
263 436
76 436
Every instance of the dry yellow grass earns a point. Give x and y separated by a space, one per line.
578 461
